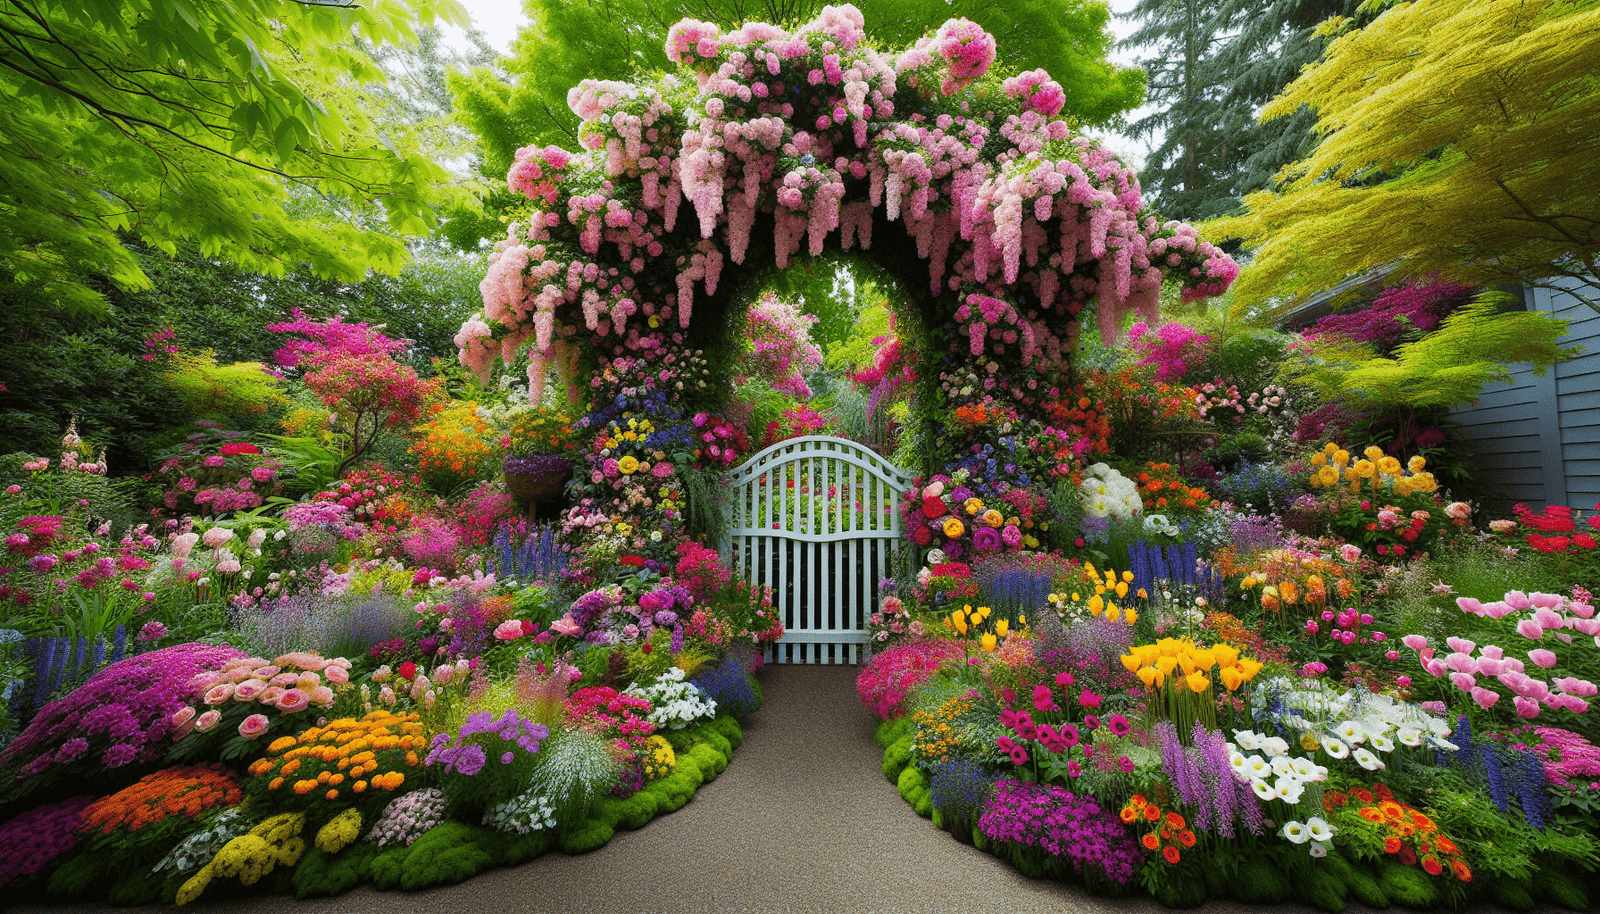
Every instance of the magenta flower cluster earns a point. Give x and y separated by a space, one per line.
38 837
1058 823
122 715
887 681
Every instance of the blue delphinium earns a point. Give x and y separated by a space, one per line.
729 686
960 787
537 557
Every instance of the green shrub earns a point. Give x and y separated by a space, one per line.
897 757
447 854
1562 889
1261 881
321 874
1407 885
913 785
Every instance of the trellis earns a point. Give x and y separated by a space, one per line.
817 520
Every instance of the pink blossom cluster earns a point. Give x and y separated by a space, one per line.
992 324
886 683
781 353
242 689
1172 349
997 202
1550 619
1037 91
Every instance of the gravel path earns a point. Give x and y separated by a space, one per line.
802 821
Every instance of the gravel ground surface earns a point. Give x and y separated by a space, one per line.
802 821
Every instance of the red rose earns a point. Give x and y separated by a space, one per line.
407 671
933 507
921 536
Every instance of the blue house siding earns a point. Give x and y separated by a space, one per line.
1537 439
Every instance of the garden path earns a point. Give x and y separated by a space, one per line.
802 821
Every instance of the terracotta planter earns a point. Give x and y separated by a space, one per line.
536 477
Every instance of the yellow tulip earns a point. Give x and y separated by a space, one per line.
1231 677
1249 667
1002 627
1130 615
983 612
958 622
1131 661
1127 577
1150 676
1097 604
1227 655
988 642
1197 681
1122 590
1166 664
1111 613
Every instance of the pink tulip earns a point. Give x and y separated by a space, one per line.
1461 663
1581 610
1516 599
1470 605
1549 620
1525 707
1436 667
1528 628
1543 658
1590 627
1463 681
1582 688
1415 642
1484 697
1546 600
1460 644
1493 651
1489 666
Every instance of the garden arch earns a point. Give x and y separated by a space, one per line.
817 520
637 251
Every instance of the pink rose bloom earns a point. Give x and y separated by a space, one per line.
308 680
321 696
219 693
293 701
566 625
661 470
266 672
249 690
285 680
208 721
304 660
182 716
271 694
253 726
337 675
509 630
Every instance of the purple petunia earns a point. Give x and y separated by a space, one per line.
1043 818
38 837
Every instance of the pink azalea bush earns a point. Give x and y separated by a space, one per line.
886 682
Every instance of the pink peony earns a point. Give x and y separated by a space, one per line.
509 630
337 675
253 726
292 702
208 721
219 693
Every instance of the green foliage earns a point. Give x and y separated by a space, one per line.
1456 141
914 789
1365 887
1472 347
587 836
892 730
1322 889
77 877
898 755
523 848
1407 885
631 813
389 865
1508 893
1561 888
1262 881
225 393
447 854
206 123
1181 893
729 726
321 874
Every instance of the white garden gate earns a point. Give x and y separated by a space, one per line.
817 519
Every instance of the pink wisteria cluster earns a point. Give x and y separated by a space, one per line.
800 134
1565 631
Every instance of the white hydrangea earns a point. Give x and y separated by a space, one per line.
675 703
1108 493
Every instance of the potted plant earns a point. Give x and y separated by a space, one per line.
538 462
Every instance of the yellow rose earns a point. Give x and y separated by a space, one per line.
1365 469
973 505
628 465
953 528
1329 476
993 518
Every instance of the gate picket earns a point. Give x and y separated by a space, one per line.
805 511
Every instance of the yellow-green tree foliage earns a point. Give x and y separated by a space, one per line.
1460 138
224 392
1471 348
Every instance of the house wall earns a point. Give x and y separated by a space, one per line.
1536 440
